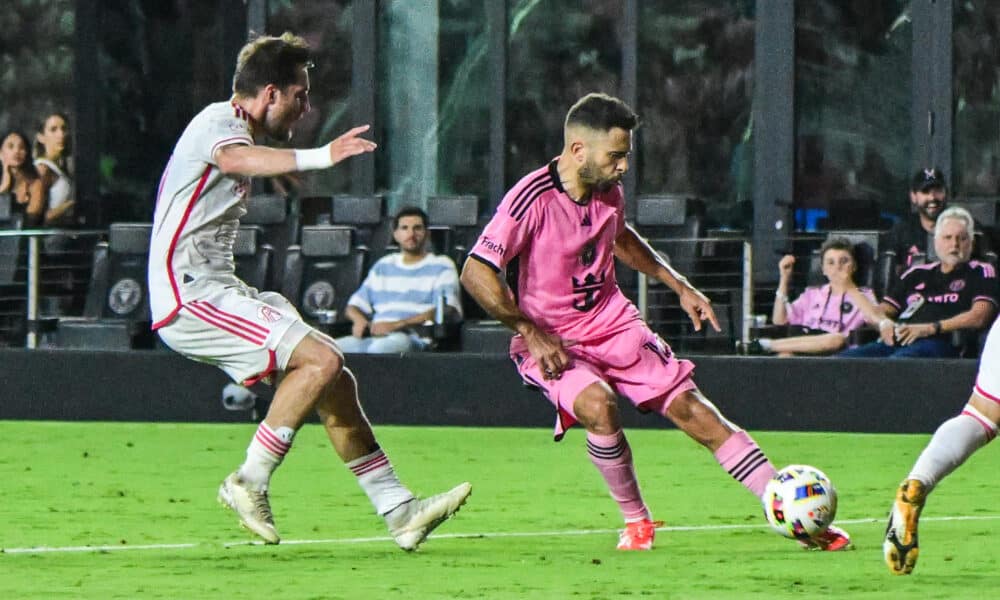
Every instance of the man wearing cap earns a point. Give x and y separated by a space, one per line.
912 236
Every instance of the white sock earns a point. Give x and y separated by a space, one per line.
378 479
953 443
264 454
765 343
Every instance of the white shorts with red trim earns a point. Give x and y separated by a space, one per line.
988 379
246 333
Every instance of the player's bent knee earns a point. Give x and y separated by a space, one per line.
597 408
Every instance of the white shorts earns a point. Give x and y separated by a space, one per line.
246 333
988 379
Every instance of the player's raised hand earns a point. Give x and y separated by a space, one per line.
785 266
350 144
698 308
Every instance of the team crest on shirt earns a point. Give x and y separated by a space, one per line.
588 254
268 314
957 286
846 307
238 126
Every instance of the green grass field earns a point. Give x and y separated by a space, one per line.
123 510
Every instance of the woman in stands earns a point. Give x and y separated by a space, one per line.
826 314
20 179
52 159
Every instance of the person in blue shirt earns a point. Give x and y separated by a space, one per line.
402 292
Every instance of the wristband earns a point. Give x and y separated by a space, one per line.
937 327
883 322
311 159
781 297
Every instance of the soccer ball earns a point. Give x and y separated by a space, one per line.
800 502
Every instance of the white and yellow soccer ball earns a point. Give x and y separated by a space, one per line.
800 502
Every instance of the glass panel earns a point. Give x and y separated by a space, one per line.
977 100
326 25
559 50
464 103
695 90
160 64
853 107
36 62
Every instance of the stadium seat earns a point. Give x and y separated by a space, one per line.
254 258
454 229
362 213
278 229
321 273
116 313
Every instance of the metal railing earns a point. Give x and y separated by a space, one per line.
37 263
722 268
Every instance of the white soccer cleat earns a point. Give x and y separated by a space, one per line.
418 518
253 508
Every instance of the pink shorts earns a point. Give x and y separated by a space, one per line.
988 379
636 363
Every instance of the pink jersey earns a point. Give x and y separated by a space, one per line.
566 267
820 308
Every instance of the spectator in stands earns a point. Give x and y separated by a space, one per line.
828 312
910 237
930 301
52 158
402 292
20 178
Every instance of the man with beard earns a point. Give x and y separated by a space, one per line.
912 236
929 301
203 311
579 339
402 291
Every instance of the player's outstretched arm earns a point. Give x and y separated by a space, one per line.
489 291
634 251
262 161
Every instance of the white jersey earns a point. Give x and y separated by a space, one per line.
197 213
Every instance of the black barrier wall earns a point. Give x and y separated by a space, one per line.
793 394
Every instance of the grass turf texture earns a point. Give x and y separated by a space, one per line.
127 485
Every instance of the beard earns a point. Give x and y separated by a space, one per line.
590 176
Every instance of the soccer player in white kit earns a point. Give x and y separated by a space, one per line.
952 444
203 311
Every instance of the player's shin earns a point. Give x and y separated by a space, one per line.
265 452
953 443
612 456
742 458
378 479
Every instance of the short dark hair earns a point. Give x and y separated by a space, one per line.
409 211
269 59
602 112
837 243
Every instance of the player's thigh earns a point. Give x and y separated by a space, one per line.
244 336
986 395
642 367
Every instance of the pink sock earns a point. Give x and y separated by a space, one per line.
612 456
745 461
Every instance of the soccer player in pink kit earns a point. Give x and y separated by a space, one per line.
579 339
951 445
203 311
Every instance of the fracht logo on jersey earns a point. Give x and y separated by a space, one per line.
493 246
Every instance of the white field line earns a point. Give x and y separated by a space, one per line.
483 535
